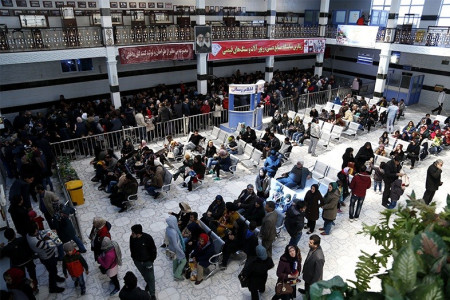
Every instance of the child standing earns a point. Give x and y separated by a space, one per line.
378 177
75 264
397 189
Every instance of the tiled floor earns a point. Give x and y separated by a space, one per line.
341 248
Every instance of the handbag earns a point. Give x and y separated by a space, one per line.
244 280
170 254
283 288
405 180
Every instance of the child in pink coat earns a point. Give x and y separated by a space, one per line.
108 261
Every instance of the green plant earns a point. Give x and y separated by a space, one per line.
66 172
418 240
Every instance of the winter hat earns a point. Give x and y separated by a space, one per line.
222 152
106 243
68 247
261 252
84 116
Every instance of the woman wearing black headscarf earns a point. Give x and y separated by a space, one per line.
289 269
347 157
313 200
364 154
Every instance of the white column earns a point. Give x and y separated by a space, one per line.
269 68
202 64
111 62
270 20
383 67
323 21
385 53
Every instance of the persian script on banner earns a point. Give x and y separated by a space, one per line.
142 54
254 48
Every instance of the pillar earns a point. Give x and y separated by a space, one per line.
270 20
385 53
323 22
202 64
111 62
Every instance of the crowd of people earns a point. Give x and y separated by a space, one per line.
27 155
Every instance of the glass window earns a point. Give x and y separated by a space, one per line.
85 64
444 15
68 65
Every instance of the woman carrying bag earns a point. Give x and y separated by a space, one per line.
255 272
110 259
288 271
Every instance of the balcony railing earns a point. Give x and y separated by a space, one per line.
16 40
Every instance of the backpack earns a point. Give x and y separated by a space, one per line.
118 252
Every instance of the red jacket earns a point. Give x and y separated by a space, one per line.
360 183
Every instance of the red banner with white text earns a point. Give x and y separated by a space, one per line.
142 54
255 48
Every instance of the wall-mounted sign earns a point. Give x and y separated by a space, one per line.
135 55
354 35
255 48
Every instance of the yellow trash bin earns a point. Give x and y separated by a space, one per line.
75 189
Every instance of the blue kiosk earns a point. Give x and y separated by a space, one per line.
254 116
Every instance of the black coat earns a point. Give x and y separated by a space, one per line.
256 271
133 294
390 171
313 202
21 220
433 178
313 266
294 221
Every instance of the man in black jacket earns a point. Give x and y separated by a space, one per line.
143 253
130 290
19 253
294 222
246 199
433 180
313 266
391 173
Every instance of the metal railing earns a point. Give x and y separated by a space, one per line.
179 128
15 40
294 31
68 201
127 35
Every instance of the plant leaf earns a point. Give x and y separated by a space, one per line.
335 295
437 266
429 246
391 293
405 268
428 292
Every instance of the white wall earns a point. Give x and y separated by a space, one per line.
427 98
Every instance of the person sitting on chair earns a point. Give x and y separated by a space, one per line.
127 186
296 177
194 141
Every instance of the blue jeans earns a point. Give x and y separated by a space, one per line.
211 162
151 190
392 205
352 212
375 184
296 136
295 239
287 182
147 271
327 225
81 282
110 186
79 243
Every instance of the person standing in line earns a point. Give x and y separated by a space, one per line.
433 181
130 290
391 113
440 100
268 230
143 252
294 222
391 173
20 254
47 253
359 185
313 265
255 270
174 240
313 200
314 136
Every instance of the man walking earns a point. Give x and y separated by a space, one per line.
313 266
391 113
391 173
143 253
433 181
359 185
314 136
440 100
294 222
268 230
